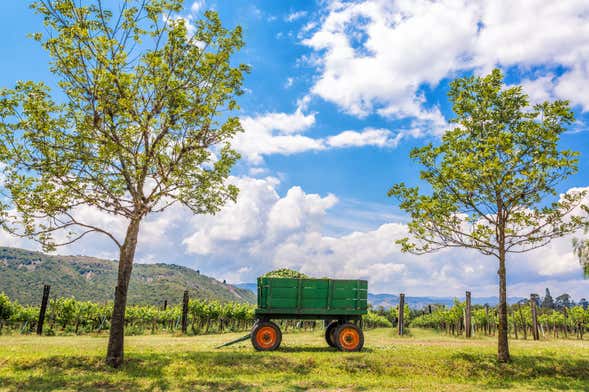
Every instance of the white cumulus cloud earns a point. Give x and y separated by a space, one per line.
295 16
283 133
368 137
197 6
265 230
376 56
289 231
275 133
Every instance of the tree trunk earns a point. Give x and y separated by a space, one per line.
114 355
503 346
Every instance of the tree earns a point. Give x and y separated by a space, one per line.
563 301
143 122
6 309
489 177
547 302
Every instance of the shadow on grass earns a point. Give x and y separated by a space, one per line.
538 371
310 349
154 371
253 371
84 373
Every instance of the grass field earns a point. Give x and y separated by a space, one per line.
423 361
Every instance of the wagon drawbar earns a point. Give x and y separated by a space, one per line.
340 303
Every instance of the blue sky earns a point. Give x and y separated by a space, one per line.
339 93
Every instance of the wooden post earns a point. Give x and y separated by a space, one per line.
165 304
401 313
535 332
46 289
566 319
487 324
467 319
185 312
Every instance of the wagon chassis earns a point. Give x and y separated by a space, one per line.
291 316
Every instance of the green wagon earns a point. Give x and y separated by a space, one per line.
341 303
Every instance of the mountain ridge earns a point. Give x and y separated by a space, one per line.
23 274
388 300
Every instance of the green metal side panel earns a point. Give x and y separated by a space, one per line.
312 296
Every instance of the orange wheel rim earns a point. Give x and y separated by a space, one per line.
266 337
349 338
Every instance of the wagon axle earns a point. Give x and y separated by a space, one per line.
343 335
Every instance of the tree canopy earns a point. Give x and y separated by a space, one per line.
494 168
142 123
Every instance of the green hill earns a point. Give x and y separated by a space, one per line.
23 273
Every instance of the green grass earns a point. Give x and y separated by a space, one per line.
423 361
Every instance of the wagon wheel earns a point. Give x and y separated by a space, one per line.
266 336
349 337
330 333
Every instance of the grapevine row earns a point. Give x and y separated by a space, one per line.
67 315
573 321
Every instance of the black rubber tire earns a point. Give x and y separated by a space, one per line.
340 345
330 333
266 324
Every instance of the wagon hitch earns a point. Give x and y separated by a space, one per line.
241 339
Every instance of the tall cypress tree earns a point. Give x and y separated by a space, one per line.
548 302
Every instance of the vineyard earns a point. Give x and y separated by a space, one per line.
69 316
434 355
565 322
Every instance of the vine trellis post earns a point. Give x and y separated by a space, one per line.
467 318
44 301
401 313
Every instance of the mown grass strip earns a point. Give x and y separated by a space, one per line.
424 361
